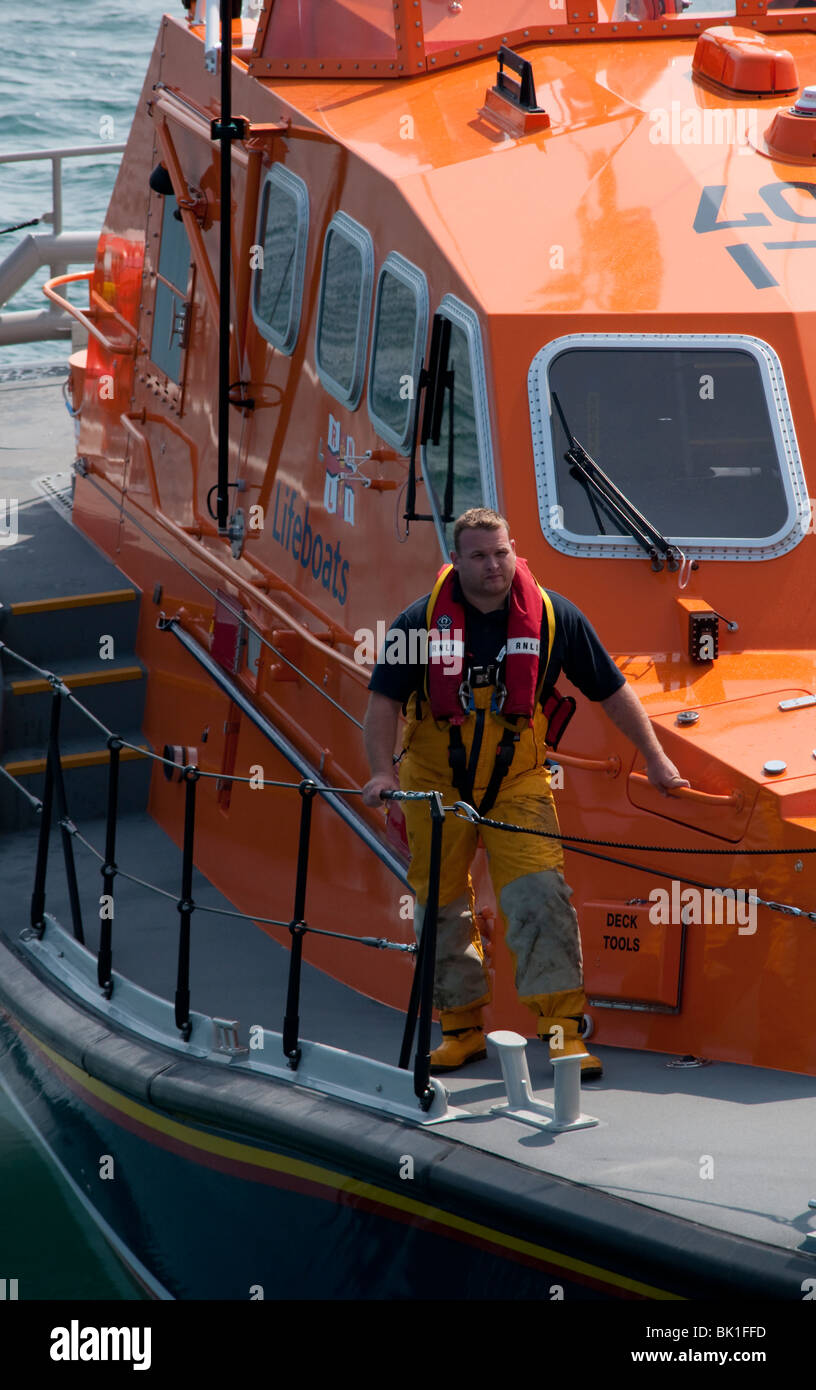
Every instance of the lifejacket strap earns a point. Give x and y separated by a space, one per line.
505 753
457 758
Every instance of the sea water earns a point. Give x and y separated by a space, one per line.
49 1245
71 74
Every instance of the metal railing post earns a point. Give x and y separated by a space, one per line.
297 927
186 906
419 964
68 849
422 1060
56 193
413 1006
104 963
38 894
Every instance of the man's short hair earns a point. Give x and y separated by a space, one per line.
477 518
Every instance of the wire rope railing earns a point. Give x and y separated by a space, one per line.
419 1010
421 1002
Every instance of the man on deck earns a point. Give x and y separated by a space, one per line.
478 697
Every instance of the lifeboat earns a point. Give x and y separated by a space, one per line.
367 265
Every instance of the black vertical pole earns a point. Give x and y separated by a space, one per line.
419 969
291 1022
186 906
422 1060
222 496
38 895
413 1006
104 962
68 849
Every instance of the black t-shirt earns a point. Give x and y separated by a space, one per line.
577 650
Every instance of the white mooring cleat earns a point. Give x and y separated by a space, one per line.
522 1104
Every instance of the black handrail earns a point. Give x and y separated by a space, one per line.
420 1007
66 827
38 894
224 130
297 927
186 906
104 962
426 966
420 1004
308 789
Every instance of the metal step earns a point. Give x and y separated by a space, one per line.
113 690
51 630
85 767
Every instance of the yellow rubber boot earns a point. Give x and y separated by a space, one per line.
462 1039
568 1043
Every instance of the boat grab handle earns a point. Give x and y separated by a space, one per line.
50 292
611 765
734 798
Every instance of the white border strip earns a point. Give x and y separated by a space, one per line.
704 548
410 275
295 188
344 226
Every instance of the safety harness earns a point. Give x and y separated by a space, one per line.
514 697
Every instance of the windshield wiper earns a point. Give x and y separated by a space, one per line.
434 380
623 513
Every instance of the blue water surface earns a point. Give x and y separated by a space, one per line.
71 74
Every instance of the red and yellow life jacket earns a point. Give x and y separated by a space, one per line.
524 669
523 666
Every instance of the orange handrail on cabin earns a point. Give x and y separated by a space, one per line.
610 765
50 293
734 798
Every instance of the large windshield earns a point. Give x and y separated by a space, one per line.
690 434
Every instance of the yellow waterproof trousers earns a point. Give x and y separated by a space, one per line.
541 928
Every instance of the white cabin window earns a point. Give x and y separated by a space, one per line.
695 430
283 231
346 284
400 330
474 482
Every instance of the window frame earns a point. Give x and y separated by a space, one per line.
462 316
410 275
293 185
174 386
706 548
345 226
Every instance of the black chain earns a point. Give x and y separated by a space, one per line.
476 819
786 908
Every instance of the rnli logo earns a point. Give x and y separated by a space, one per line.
444 621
